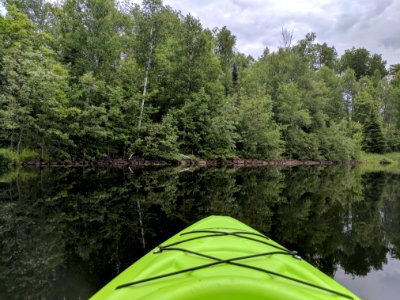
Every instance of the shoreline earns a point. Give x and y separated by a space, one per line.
141 162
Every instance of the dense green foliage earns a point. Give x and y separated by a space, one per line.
95 78
8 158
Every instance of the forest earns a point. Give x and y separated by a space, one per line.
94 79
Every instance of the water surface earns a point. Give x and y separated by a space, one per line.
66 232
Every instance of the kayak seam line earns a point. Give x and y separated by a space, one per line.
233 232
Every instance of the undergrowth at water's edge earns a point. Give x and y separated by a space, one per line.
388 162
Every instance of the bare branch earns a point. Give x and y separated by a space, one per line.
287 37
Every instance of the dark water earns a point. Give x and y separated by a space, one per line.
66 232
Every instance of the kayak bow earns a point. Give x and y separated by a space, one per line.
221 258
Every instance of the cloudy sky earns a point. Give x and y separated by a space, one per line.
372 24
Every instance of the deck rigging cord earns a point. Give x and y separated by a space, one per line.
213 233
231 261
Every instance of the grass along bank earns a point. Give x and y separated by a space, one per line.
11 159
389 162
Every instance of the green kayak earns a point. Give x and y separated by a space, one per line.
221 258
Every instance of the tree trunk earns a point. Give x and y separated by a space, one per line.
12 140
141 223
18 190
146 78
19 141
42 149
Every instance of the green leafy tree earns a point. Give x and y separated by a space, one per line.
337 142
296 121
159 140
163 91
88 125
148 35
259 136
204 129
349 89
241 62
89 37
225 50
40 12
363 64
391 113
394 69
326 56
317 55
357 60
199 68
329 87
33 98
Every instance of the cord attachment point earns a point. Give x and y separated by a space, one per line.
158 250
296 255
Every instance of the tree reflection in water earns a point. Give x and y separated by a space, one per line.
66 232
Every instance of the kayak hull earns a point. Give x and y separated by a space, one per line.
221 258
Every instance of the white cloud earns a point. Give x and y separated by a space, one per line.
378 284
374 24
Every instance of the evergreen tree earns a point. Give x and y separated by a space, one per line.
374 140
367 112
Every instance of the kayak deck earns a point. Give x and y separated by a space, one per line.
222 258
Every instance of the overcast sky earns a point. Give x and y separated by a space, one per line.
372 24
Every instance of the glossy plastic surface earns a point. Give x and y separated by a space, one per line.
223 280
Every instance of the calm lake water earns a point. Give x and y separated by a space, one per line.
64 233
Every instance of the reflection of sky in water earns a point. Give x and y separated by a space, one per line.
383 284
